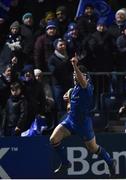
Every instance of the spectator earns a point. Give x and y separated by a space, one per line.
14 42
6 78
49 16
62 19
12 46
116 30
34 94
39 77
44 46
121 46
86 25
73 41
100 48
61 69
28 35
16 111
120 18
50 111
100 45
87 22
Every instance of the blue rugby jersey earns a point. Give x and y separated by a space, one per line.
81 102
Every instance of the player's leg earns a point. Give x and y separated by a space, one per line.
59 133
101 152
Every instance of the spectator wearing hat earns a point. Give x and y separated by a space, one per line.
73 41
14 36
121 46
119 84
14 42
12 47
120 19
86 25
33 92
62 19
16 111
28 35
44 46
116 30
100 49
100 45
50 113
49 16
6 78
60 67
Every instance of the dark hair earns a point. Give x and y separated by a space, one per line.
89 5
57 41
15 85
83 69
6 67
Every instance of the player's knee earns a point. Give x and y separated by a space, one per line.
53 140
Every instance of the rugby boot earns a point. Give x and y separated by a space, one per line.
62 168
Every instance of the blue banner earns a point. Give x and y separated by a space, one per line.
34 158
102 9
25 158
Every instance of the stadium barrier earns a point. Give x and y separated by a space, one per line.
34 158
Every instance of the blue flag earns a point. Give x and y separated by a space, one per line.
102 9
4 8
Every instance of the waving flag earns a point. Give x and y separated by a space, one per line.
4 8
102 9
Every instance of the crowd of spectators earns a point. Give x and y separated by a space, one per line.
34 44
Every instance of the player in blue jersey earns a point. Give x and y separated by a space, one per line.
79 120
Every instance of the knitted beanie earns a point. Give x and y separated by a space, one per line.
15 24
123 11
51 24
37 71
26 15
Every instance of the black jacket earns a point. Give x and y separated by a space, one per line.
61 71
16 112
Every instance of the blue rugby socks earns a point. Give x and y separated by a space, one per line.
104 155
61 152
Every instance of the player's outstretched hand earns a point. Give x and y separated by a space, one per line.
74 60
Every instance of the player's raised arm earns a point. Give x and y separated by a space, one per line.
80 77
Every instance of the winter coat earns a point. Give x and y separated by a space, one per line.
61 71
4 90
86 25
35 96
100 45
16 112
43 49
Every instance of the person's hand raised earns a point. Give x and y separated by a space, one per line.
74 60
